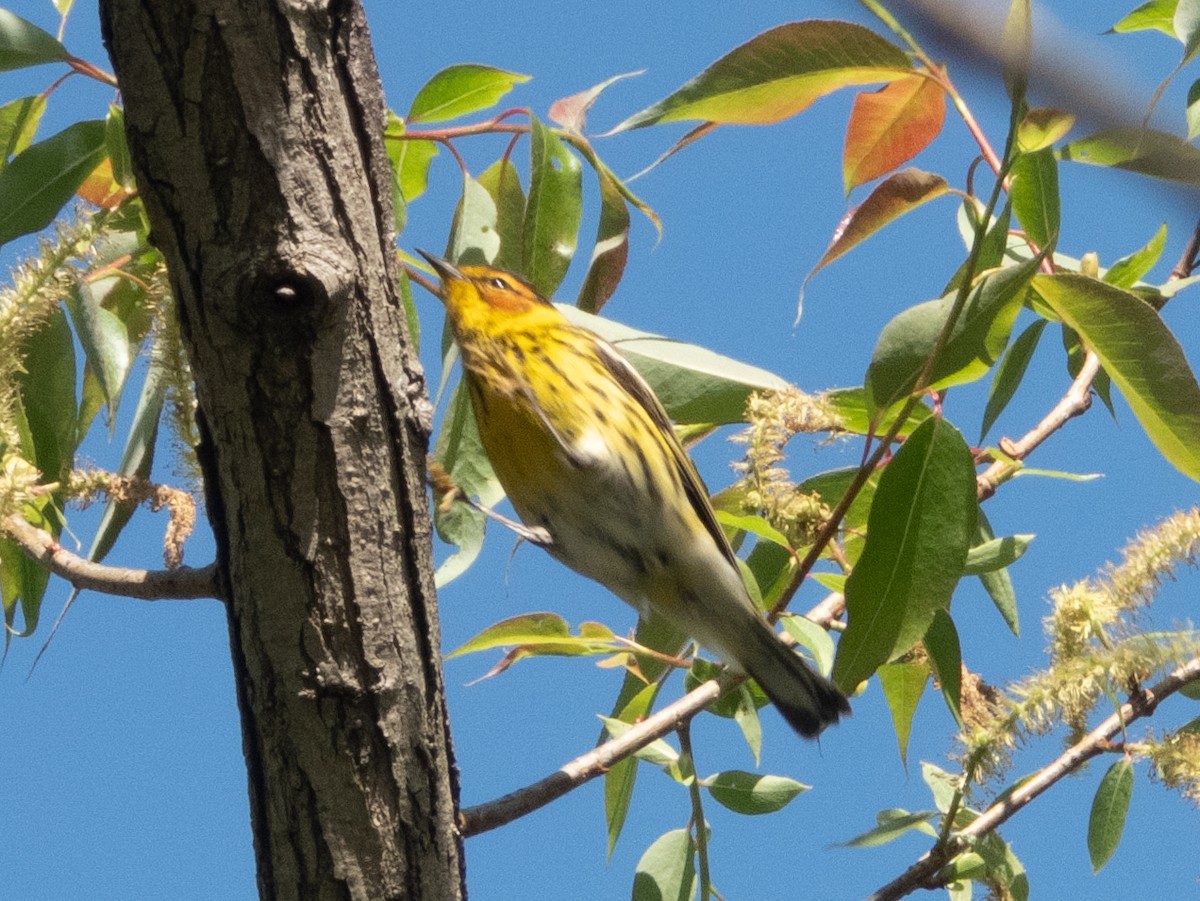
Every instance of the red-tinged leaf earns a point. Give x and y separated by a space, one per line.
611 249
691 137
1041 127
778 74
571 112
921 525
461 90
892 198
102 189
890 126
24 44
1149 152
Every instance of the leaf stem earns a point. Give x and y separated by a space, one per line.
688 764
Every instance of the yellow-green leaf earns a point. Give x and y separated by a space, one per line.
461 90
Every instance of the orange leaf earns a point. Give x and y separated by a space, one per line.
890 126
102 190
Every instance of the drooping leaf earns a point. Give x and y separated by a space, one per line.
892 198
47 388
474 238
1109 809
921 524
621 777
461 90
667 871
611 248
657 753
891 126
553 212
531 629
978 338
410 159
1149 152
695 384
18 124
1193 110
997 582
1034 195
1009 374
812 637
903 684
778 74
1041 127
24 44
1142 357
753 793
105 341
747 719
137 458
854 410
1127 271
503 183
42 178
459 451
945 656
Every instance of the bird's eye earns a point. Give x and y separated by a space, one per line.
499 283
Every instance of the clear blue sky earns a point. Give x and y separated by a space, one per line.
122 755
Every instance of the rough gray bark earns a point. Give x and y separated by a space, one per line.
256 134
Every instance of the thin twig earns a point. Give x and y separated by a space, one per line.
923 873
184 583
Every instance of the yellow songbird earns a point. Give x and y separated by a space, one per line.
587 454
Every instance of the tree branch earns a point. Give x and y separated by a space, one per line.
923 873
598 761
184 583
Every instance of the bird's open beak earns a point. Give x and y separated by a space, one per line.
446 271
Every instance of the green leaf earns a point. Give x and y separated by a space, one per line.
47 387
1009 374
1142 357
945 656
942 785
611 248
995 553
997 245
975 343
1003 868
1034 194
460 452
137 458
18 124
105 341
410 159
811 637
1149 152
922 521
903 684
1129 270
621 776
753 793
547 629
554 210
695 384
1186 25
461 90
1109 808
1018 48
118 150
40 179
657 753
755 525
1156 15
746 716
997 583
1041 127
1193 111
896 195
473 235
24 44
854 410
778 74
667 871
894 823
502 182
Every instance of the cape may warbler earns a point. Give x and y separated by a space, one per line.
587 453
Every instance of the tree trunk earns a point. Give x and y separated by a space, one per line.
256 134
